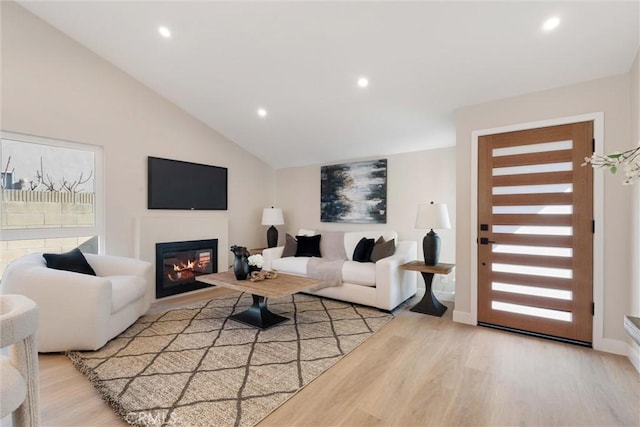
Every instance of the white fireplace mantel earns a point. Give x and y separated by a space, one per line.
173 227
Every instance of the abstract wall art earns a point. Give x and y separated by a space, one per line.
354 192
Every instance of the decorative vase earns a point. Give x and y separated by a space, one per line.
253 268
240 262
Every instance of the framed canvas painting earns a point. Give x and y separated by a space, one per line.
354 192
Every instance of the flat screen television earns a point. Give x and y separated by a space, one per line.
174 184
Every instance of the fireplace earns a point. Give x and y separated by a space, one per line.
179 263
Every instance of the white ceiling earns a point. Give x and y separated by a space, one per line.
301 60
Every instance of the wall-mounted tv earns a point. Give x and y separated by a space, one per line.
174 184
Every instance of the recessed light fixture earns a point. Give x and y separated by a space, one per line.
164 32
262 112
363 82
551 23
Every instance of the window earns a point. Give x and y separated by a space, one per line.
52 197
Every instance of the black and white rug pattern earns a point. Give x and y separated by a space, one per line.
195 366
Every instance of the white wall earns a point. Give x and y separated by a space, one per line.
634 300
412 179
56 88
608 95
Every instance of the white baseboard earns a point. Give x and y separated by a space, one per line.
633 354
464 317
609 345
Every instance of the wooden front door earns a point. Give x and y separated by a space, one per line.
535 231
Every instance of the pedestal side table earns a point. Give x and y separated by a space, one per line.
429 303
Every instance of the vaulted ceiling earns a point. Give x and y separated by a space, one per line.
301 62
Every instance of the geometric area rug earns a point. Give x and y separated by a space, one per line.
193 366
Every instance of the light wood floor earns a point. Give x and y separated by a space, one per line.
418 370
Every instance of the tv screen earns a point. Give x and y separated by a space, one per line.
174 184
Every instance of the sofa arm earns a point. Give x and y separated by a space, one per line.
110 265
268 255
394 285
68 301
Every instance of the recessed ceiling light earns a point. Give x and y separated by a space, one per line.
363 82
164 32
551 23
262 112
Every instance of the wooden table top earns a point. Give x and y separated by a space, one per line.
420 266
283 285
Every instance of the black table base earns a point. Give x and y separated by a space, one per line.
429 303
258 314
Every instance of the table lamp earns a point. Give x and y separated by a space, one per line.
272 216
432 215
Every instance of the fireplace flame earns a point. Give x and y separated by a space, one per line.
184 266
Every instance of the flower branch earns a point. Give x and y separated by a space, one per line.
627 161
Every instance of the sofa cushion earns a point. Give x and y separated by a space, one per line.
362 251
290 246
351 239
291 265
359 273
308 246
125 290
332 245
73 261
383 250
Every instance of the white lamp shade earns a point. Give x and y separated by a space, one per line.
272 216
433 215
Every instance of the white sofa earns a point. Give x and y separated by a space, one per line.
381 284
80 311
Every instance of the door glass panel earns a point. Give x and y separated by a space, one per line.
533 229
542 210
532 250
532 290
533 148
542 168
532 311
534 189
561 273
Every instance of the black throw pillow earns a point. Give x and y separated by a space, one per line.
362 252
69 261
308 245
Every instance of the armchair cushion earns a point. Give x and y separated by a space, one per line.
73 261
124 290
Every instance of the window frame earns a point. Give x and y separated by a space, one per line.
98 229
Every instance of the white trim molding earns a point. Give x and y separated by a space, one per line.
633 354
599 342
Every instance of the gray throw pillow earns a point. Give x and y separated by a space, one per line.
290 246
332 245
383 250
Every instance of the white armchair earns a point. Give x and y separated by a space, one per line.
80 311
19 392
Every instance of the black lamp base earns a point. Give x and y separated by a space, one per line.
431 248
272 237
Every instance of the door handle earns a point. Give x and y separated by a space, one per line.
485 241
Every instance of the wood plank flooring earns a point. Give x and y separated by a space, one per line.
418 370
